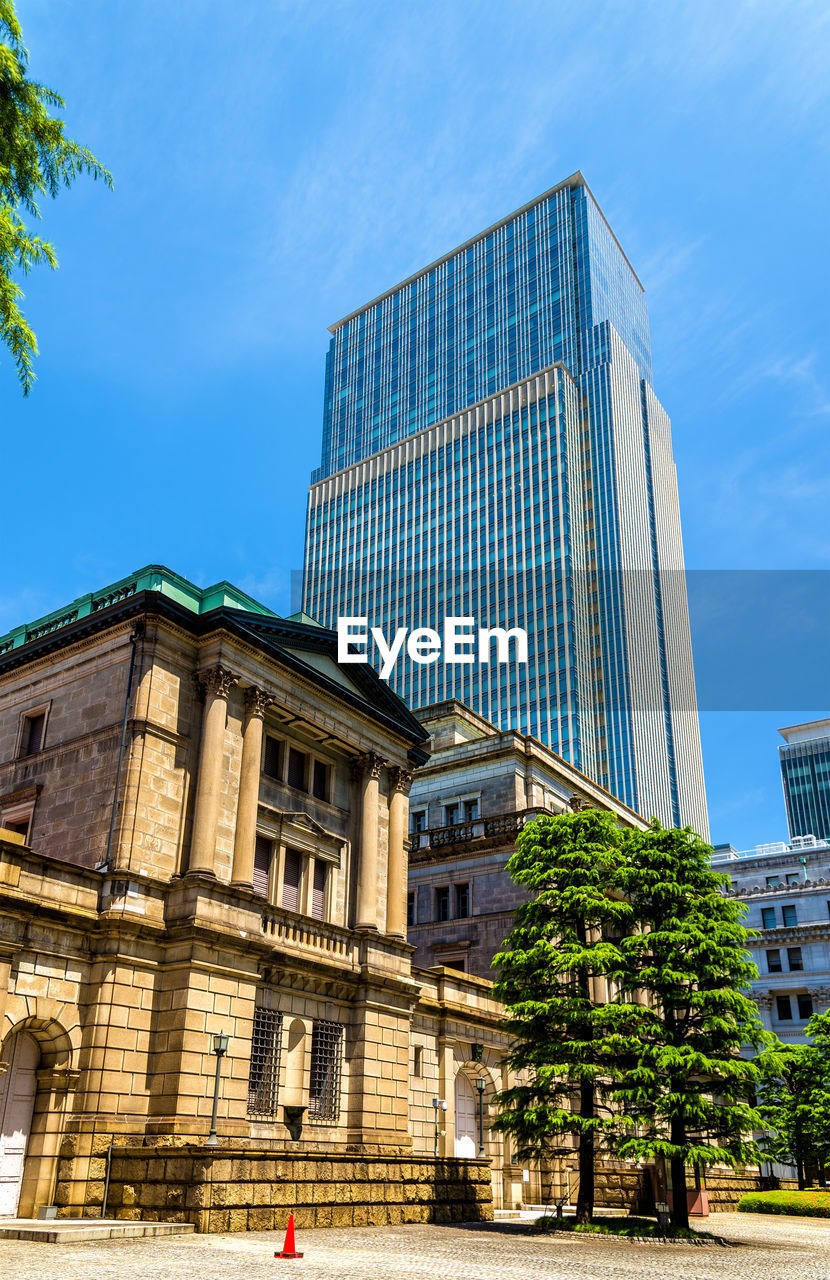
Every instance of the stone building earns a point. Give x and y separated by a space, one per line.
204 837
467 804
786 889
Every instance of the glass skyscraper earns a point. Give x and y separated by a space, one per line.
493 448
805 772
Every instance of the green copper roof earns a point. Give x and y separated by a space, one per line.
153 577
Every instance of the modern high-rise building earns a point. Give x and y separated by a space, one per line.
493 449
805 772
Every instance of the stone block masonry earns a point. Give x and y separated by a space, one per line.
243 1189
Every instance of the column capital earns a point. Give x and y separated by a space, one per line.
763 999
217 680
400 780
367 766
257 701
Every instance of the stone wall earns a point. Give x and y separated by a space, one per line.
622 1186
251 1190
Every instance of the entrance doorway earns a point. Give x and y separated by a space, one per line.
18 1086
465 1118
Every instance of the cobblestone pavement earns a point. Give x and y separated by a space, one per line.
766 1248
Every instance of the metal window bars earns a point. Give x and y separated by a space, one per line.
326 1061
264 1073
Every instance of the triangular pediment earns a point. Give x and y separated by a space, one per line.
327 667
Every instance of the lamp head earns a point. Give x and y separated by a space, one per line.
220 1044
481 1084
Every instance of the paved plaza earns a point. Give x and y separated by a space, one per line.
765 1248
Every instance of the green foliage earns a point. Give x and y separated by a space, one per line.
686 1083
36 159
806 1204
607 1226
564 1037
794 1099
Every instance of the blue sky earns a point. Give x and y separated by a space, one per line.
278 164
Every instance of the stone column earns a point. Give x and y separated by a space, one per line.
256 704
400 781
217 682
368 770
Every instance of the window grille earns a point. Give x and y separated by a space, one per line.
326 1060
264 1073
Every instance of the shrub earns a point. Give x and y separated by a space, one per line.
808 1204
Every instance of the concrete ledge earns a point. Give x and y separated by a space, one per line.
78 1230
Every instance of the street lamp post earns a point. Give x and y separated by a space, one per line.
439 1105
481 1085
220 1048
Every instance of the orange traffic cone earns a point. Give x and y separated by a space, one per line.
288 1250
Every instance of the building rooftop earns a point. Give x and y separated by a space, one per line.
575 180
153 577
807 732
798 844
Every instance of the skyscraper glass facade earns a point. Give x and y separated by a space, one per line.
493 448
805 772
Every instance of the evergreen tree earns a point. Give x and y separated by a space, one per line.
36 159
686 1084
793 1101
552 970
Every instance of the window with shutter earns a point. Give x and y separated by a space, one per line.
271 758
296 769
33 734
262 864
318 890
291 881
320 787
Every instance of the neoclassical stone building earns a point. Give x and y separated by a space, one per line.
467 806
203 864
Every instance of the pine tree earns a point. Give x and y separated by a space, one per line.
686 1084
552 970
36 159
793 1098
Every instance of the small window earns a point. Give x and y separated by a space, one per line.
318 890
410 908
272 758
783 1008
297 761
442 904
320 785
805 1007
291 880
470 810
21 827
418 1062
773 881
450 815
418 822
789 916
462 901
33 727
773 962
263 851
793 877
455 962
264 1071
794 959
768 917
